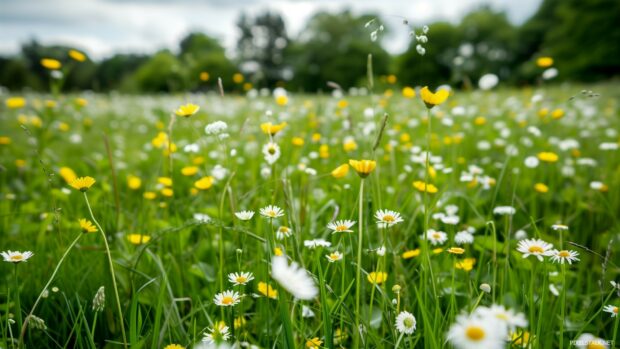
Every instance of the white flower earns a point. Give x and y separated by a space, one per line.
334 256
550 73
387 218
463 238
564 256
244 215
611 309
306 312
504 210
488 81
240 278
215 128
227 298
534 247
219 332
317 243
271 211
520 234
596 185
450 220
421 50
499 312
381 251
293 278
341 226
219 172
283 232
405 322
451 210
475 332
16 256
191 148
588 341
436 237
202 217
272 152
554 290
485 288
531 162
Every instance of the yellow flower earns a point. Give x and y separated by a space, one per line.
247 86
50 104
198 160
363 167
81 102
277 251
239 322
316 137
438 250
298 141
20 163
238 78
4 140
77 55
267 291
204 183
282 100
433 99
548 156
544 62
314 343
391 79
324 151
167 192
456 250
204 76
15 102
174 346
272 129
480 120
377 278
340 171
138 239
411 253
408 92
149 195
87 226
187 110
189 170
51 63
557 113
166 181
466 264
541 188
134 182
424 187
67 174
82 183
349 145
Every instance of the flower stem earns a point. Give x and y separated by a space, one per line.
111 265
563 309
358 273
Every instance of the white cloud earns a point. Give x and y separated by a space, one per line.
103 27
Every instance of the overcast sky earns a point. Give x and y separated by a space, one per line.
104 27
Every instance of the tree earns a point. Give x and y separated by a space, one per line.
202 54
161 73
261 47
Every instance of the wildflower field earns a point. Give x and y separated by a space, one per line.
398 217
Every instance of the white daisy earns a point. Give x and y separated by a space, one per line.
463 238
504 210
341 226
436 237
405 322
474 332
16 256
499 312
283 232
227 298
334 256
202 218
219 332
293 278
560 227
241 278
589 341
612 309
450 220
272 152
244 215
451 210
317 243
564 256
387 218
271 211
534 247
381 251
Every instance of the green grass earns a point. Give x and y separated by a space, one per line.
166 286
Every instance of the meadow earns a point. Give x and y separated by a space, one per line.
478 219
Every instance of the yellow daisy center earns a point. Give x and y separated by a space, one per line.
241 279
595 345
564 254
615 310
475 333
436 236
227 300
341 228
535 249
388 218
17 257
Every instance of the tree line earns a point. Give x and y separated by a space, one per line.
581 36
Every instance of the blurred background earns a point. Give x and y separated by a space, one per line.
149 46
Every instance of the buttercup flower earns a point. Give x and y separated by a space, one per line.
363 167
51 64
272 129
187 110
87 226
433 99
82 183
